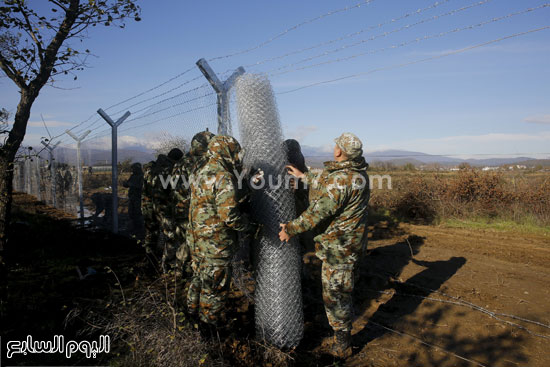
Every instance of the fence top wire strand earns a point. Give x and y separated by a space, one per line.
376 26
294 27
426 343
97 120
260 45
493 315
274 72
396 66
325 53
240 52
150 109
135 96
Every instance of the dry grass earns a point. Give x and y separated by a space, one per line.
147 329
428 197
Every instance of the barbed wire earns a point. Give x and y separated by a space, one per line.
262 44
396 66
129 99
441 34
392 47
172 116
151 89
165 93
157 103
294 27
472 306
145 108
426 343
170 107
479 308
99 119
107 131
379 25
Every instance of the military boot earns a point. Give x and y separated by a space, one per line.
341 347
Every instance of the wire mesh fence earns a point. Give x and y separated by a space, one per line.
278 297
54 179
170 113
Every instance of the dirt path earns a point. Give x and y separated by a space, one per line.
442 307
425 295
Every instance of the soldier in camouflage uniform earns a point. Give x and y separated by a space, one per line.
195 159
151 225
215 220
163 209
339 202
135 185
157 206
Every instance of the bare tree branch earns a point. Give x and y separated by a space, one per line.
11 72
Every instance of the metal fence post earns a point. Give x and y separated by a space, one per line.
222 90
27 170
114 159
38 193
52 170
79 168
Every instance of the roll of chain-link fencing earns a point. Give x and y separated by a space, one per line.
278 295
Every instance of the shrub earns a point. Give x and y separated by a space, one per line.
469 193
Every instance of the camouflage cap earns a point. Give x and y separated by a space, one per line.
225 149
199 143
350 144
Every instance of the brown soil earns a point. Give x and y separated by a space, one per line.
501 272
442 306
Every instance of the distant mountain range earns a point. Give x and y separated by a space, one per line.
314 157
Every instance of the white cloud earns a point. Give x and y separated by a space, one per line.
124 142
301 132
540 119
49 123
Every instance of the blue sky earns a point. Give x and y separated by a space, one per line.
490 100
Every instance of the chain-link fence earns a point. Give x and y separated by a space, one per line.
171 122
278 296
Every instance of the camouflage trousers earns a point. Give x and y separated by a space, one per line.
160 238
134 212
338 281
152 229
209 289
183 254
169 245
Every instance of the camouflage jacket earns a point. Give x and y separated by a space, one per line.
214 214
339 198
134 185
161 195
180 196
147 191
